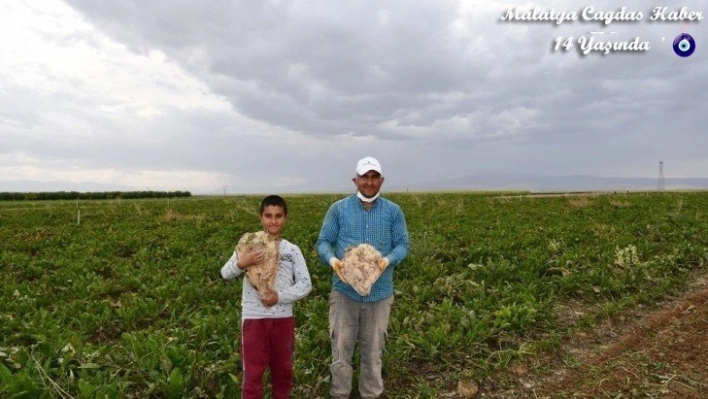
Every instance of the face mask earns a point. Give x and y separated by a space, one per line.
361 197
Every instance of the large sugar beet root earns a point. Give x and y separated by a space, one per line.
262 275
361 268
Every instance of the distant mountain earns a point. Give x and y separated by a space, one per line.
540 183
32 186
478 182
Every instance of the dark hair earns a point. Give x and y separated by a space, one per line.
274 200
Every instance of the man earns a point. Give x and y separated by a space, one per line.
364 217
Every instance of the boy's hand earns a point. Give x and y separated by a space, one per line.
250 258
337 267
270 298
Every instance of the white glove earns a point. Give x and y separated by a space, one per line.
383 263
337 266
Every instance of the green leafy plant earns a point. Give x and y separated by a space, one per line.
130 303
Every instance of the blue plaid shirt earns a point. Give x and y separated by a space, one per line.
348 224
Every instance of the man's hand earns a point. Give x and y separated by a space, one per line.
337 267
383 263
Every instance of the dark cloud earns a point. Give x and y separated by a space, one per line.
330 81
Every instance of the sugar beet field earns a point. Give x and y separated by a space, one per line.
123 298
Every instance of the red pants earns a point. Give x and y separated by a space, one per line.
267 343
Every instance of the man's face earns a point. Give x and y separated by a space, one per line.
369 183
273 219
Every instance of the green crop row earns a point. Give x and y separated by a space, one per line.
123 298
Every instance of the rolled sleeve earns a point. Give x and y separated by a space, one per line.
401 243
328 236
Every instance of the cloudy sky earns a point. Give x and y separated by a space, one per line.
275 96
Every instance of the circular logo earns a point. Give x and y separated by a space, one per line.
684 45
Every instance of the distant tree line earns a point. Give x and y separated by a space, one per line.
71 195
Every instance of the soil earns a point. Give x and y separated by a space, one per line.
647 353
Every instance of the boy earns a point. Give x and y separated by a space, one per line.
267 322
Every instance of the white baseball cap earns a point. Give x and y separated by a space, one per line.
366 164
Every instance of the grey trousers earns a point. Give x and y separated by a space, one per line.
363 322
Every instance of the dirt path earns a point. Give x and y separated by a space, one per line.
662 354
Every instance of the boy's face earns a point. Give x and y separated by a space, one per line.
273 219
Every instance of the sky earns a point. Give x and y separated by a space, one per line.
281 96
